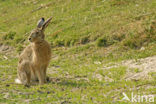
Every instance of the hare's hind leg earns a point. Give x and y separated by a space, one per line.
28 78
24 73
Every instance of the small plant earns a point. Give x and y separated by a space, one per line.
104 41
84 40
19 40
152 74
130 43
59 43
19 48
118 37
67 42
9 36
73 42
136 70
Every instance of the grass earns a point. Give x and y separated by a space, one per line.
70 84
85 36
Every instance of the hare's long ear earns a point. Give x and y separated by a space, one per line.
46 23
40 22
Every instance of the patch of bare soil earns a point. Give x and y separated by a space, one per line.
144 65
137 69
5 48
7 51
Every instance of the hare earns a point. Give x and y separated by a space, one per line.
35 58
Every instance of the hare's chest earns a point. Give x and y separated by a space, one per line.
40 55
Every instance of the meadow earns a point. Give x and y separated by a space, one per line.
90 39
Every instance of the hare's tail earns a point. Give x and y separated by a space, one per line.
18 81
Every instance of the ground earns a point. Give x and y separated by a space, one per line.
79 82
100 50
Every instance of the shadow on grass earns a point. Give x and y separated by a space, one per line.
70 82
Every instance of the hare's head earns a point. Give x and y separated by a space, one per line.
38 33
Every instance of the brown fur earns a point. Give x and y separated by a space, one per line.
35 58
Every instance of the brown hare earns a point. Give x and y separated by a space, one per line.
35 58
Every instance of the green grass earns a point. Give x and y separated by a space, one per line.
82 34
71 84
